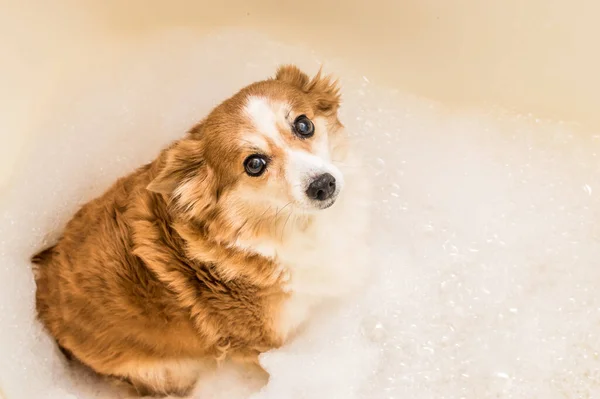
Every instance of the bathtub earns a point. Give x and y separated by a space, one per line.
480 128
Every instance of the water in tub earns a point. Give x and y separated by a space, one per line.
485 235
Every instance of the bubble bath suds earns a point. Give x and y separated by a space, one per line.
485 236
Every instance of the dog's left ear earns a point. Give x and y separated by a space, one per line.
323 90
293 75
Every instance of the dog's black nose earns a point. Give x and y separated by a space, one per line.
322 187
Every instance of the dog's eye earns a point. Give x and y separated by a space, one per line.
255 165
303 127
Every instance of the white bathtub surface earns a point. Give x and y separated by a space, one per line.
486 235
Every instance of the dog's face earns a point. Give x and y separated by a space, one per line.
272 146
285 154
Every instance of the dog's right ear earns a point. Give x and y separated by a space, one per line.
184 177
176 165
179 164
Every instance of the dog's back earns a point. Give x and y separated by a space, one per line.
103 305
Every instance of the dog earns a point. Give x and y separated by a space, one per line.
221 248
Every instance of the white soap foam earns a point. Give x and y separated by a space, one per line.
486 236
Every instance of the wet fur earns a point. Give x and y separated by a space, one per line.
167 269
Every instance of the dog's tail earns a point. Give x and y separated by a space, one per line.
43 256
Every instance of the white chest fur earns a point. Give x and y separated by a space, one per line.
325 261
328 260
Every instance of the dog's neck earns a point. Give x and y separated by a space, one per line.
229 229
242 248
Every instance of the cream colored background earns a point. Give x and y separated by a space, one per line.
536 56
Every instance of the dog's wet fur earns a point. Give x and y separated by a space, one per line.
196 257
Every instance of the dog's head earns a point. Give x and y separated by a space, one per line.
272 146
